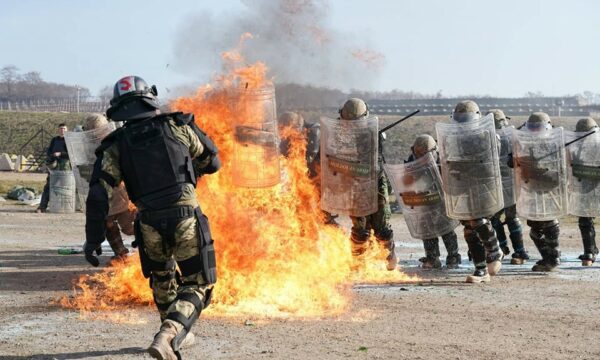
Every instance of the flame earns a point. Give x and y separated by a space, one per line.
275 256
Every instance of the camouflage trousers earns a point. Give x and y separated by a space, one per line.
379 222
175 299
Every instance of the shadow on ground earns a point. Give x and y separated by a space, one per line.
78 355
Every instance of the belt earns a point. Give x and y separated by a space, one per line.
179 212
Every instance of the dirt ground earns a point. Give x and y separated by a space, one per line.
520 314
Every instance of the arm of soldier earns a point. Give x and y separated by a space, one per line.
203 150
105 176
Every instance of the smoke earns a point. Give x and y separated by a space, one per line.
293 37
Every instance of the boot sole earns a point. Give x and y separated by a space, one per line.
587 263
517 261
157 354
477 279
494 267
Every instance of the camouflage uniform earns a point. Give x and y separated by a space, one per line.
165 288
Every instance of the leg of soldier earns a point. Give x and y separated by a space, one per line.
163 281
588 236
500 234
431 260
450 242
520 255
113 236
380 222
45 197
486 234
477 252
545 237
359 235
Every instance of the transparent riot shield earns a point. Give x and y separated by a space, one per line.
540 174
507 173
419 188
584 174
62 192
349 170
470 168
256 141
82 146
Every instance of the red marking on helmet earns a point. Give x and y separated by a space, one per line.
125 84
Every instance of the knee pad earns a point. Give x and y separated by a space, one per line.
585 223
360 236
385 234
514 225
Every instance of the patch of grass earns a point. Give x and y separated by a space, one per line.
6 185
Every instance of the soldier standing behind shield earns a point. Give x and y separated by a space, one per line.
586 223
472 185
540 183
424 144
379 222
511 220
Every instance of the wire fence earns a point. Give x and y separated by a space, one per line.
72 105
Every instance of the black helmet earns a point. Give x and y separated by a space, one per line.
132 99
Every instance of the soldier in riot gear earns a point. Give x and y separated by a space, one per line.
586 223
422 145
511 220
120 217
470 171
539 178
379 222
159 157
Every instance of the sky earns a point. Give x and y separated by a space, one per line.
459 47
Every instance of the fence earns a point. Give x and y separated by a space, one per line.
74 104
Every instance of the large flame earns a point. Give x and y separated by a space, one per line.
275 256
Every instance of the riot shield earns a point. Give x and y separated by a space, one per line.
82 146
507 173
584 174
349 170
540 174
470 168
61 192
256 140
419 188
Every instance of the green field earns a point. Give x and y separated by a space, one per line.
16 128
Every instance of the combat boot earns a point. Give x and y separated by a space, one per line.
519 257
587 259
161 347
431 260
479 276
391 260
430 263
453 261
546 265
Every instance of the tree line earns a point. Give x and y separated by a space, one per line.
18 86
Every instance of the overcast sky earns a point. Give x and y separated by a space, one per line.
499 48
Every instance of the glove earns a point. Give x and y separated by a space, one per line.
88 250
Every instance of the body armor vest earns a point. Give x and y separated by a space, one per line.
155 165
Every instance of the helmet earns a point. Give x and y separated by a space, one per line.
423 144
586 124
291 119
538 121
94 121
500 120
132 99
466 111
354 109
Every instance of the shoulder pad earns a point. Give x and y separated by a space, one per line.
182 119
109 140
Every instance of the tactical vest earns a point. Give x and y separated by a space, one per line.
155 166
